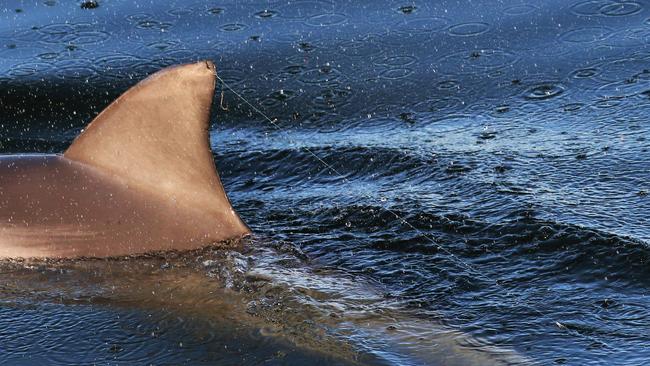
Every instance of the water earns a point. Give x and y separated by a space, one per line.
511 135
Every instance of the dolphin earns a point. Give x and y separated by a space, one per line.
139 178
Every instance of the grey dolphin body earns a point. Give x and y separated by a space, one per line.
139 178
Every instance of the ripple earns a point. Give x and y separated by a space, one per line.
306 9
136 17
608 103
412 26
181 55
520 9
56 29
29 69
359 48
277 98
628 87
147 22
396 73
572 107
77 69
327 20
407 9
294 69
621 9
606 8
163 45
320 75
588 8
77 33
634 36
233 27
231 76
49 56
332 98
479 59
586 35
621 69
399 60
215 11
118 65
468 29
265 14
153 24
584 73
544 91
448 85
444 104
178 12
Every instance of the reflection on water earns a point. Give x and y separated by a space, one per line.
260 304
512 136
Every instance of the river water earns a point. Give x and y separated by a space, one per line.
464 182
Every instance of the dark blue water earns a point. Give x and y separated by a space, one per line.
511 136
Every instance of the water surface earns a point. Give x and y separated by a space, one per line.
510 136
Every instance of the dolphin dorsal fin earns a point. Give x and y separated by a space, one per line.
155 137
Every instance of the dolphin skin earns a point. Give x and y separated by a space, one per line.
139 178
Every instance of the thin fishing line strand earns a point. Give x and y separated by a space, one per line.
408 224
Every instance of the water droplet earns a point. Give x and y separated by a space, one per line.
544 91
407 9
266 14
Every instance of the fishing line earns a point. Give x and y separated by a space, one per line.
456 259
